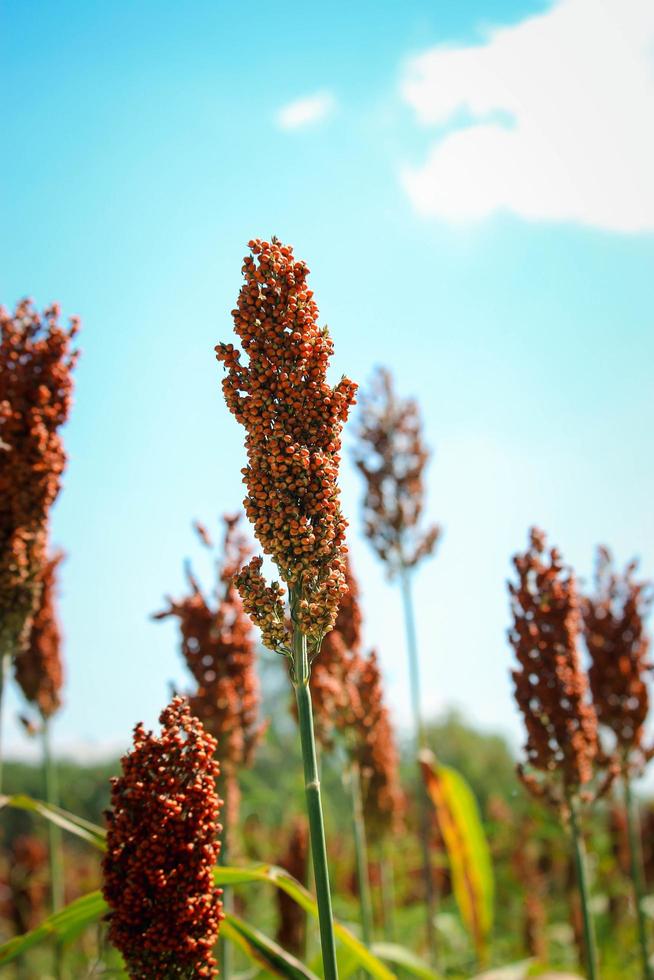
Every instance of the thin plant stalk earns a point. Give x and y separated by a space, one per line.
636 860
414 684
301 675
387 882
225 952
55 854
5 661
579 848
361 853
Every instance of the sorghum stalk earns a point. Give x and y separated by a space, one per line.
301 675
414 681
637 877
392 457
361 852
55 848
387 882
225 950
581 868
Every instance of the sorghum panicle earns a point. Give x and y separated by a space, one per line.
219 649
371 743
292 917
550 686
392 457
331 674
618 645
39 665
24 883
36 363
161 849
293 420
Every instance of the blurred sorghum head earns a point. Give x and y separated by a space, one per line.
618 644
293 420
219 649
392 457
39 665
331 673
550 686
370 741
36 363
161 849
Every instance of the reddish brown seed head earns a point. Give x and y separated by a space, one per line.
618 644
219 648
36 364
550 687
162 845
39 664
392 456
293 420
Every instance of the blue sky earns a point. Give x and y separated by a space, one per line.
498 259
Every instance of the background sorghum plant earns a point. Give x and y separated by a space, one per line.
36 363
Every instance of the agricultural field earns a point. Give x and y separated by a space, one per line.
325 651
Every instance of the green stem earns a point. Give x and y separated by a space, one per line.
425 812
5 661
224 947
301 673
361 853
387 892
54 836
584 890
636 859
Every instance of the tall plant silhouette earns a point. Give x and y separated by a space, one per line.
217 641
551 690
293 420
618 644
392 456
36 364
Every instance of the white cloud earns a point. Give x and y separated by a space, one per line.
303 112
577 86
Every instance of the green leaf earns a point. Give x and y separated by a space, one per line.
283 880
404 958
467 848
88 831
359 953
264 951
63 926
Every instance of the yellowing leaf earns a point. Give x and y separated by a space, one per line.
467 849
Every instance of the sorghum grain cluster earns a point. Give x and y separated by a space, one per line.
161 849
618 645
293 420
550 686
36 363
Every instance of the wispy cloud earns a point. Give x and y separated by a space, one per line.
577 86
306 111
